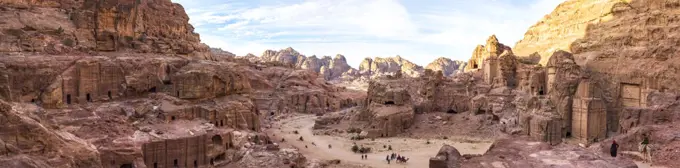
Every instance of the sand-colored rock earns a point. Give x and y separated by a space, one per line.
390 65
446 65
491 49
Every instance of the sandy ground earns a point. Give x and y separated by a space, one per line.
417 150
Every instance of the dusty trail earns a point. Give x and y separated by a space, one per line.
416 150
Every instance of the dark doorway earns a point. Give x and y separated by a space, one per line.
152 90
128 165
217 140
221 122
389 102
109 93
68 99
474 66
451 111
195 163
177 94
32 100
174 162
540 91
172 118
88 97
155 165
568 134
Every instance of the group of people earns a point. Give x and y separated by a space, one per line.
364 156
645 150
397 157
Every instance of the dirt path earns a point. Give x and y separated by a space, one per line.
417 150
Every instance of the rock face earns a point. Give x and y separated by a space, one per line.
390 65
447 66
447 157
389 111
58 27
29 142
492 49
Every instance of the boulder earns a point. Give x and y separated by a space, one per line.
447 157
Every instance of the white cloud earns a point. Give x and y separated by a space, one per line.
418 30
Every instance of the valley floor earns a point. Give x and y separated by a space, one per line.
417 150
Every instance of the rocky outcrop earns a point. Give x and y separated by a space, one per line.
390 65
492 49
30 141
447 66
447 157
58 27
388 110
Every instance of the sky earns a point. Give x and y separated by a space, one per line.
417 30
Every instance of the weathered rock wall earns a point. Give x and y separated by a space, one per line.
58 27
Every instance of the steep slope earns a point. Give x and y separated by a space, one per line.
446 65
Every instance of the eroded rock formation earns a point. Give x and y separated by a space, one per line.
447 66
447 157
59 27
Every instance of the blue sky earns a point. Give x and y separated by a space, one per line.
418 30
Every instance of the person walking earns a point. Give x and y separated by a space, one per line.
613 148
388 159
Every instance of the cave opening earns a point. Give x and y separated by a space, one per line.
451 111
152 90
109 94
389 102
68 99
127 165
88 97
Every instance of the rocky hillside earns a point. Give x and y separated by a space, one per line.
331 68
446 65
65 26
390 65
612 28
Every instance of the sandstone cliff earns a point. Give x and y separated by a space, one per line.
58 27
447 66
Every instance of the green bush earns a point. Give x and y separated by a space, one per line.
68 42
355 148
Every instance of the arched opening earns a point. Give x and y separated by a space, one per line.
451 111
88 97
127 165
195 163
152 90
271 113
32 100
568 134
109 94
68 99
175 163
540 91
474 66
217 140
172 118
389 102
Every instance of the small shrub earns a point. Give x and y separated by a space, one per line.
15 32
296 132
355 148
68 42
